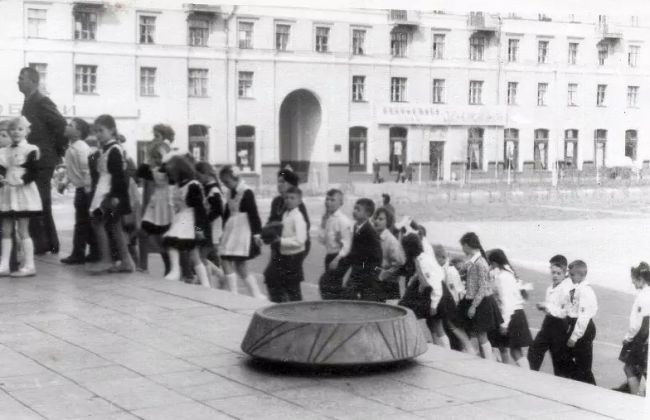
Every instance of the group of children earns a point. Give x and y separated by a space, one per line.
206 225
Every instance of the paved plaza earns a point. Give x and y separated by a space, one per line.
132 346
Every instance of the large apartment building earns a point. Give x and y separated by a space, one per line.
332 91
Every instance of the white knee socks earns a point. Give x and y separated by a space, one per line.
443 341
6 255
231 279
523 362
251 282
202 274
486 349
175 265
28 249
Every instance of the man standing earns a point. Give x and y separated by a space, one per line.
47 132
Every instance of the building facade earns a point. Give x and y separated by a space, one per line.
335 92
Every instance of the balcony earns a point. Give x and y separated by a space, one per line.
480 22
609 32
404 18
200 8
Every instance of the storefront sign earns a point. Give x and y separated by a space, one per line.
14 110
395 113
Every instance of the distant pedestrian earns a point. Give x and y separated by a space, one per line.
409 172
375 170
387 205
635 344
583 307
399 168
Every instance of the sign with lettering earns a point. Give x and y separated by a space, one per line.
432 114
14 110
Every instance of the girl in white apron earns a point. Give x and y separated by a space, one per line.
241 239
215 206
111 199
158 209
189 228
19 197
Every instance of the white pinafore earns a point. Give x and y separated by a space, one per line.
159 211
237 234
183 222
15 196
105 177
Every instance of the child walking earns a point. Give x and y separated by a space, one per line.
336 234
110 200
284 275
365 255
553 334
189 229
513 333
393 257
158 212
478 312
78 172
241 239
635 344
426 285
215 206
583 307
19 197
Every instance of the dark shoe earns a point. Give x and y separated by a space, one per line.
73 260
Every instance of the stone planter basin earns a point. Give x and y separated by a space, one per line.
334 333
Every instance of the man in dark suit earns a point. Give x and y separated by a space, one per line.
365 255
47 132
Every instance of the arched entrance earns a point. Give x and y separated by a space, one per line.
300 122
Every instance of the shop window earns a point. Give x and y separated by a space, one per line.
398 136
475 148
540 149
631 141
198 141
245 148
571 148
358 148
600 148
511 148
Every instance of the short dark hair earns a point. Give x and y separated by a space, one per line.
289 176
367 204
165 131
31 74
82 126
107 121
642 271
390 218
559 260
184 165
333 192
294 190
229 171
386 198
206 168
412 245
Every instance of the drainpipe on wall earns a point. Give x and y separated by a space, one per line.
227 78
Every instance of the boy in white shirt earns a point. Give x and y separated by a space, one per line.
284 274
336 234
553 334
583 307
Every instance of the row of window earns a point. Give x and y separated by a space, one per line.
398 144
86 83
572 94
199 32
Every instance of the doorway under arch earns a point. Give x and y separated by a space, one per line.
300 123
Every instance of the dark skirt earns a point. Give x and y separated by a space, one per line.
446 309
152 229
518 334
487 316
